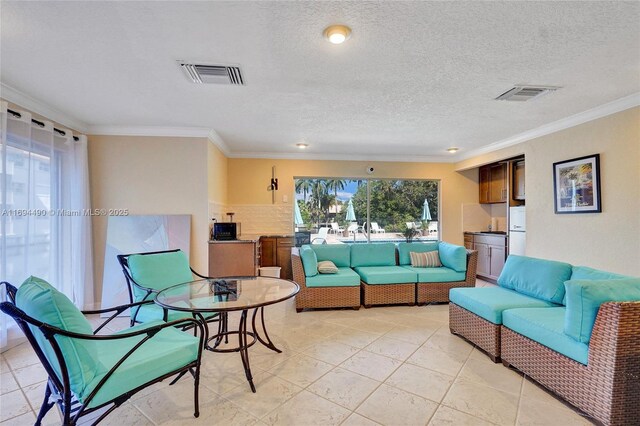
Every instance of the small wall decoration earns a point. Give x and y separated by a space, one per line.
576 185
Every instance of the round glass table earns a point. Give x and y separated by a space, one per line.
223 295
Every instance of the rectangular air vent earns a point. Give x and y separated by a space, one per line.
213 74
525 93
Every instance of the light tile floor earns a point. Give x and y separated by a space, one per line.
395 365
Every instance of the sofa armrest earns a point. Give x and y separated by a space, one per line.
298 270
472 267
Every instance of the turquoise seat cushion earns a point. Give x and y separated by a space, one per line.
38 299
382 254
539 278
309 261
405 248
584 298
490 302
386 275
339 254
158 271
437 275
167 351
346 277
453 256
546 326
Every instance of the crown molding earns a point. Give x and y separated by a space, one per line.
36 106
344 157
604 110
215 139
168 131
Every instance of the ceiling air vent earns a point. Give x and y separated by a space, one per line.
525 93
213 74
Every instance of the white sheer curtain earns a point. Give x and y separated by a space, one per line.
45 228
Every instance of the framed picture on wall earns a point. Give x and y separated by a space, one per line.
576 185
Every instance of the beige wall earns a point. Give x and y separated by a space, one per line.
217 181
609 240
149 175
248 180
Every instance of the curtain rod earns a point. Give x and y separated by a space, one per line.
41 124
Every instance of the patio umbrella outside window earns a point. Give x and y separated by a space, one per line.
426 214
351 214
297 217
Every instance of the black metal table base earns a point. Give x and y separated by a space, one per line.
212 343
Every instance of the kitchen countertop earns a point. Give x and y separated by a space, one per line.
493 233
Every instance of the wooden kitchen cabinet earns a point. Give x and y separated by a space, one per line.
518 180
232 259
468 241
276 251
493 183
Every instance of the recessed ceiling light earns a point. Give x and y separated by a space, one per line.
452 150
337 34
302 145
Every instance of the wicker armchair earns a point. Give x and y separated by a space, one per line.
439 292
321 297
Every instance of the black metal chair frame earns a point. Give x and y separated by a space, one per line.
60 388
123 259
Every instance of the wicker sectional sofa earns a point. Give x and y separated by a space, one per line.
378 274
573 329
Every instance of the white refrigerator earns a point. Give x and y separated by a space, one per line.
517 230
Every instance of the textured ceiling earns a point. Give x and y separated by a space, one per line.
414 79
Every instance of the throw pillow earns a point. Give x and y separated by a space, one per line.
327 267
429 259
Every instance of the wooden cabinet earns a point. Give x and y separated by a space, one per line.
276 251
492 251
493 183
518 180
468 241
232 259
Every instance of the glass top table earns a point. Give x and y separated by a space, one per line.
222 295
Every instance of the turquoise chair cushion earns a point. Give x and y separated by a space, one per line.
490 302
546 326
38 299
584 298
167 351
437 275
539 278
159 271
405 248
346 277
382 254
453 256
309 261
386 275
339 254
586 273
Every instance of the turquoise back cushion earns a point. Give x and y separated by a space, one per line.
159 271
453 256
38 299
586 273
339 254
405 248
309 261
539 278
383 254
584 298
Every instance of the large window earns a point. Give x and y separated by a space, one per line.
367 210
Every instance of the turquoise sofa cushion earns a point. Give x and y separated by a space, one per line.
386 275
453 256
339 254
540 278
490 302
584 298
586 273
38 299
346 277
159 271
383 254
169 350
546 326
405 248
437 275
309 261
